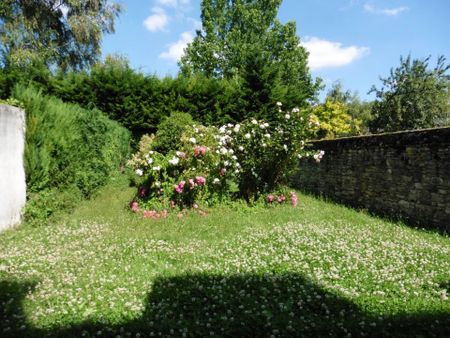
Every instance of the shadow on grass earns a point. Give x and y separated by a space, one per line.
286 305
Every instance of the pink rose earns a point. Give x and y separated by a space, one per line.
142 192
134 206
294 199
191 183
199 151
200 180
150 214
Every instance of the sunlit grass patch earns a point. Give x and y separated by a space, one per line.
315 270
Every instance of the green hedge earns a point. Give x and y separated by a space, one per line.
69 150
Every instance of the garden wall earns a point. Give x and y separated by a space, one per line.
404 175
12 173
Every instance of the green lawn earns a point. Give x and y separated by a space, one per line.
317 270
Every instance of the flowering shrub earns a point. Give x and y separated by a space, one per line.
212 164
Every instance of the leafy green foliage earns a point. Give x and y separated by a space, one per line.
68 148
412 97
63 33
244 39
170 131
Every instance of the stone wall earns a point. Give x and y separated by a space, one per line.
12 173
401 175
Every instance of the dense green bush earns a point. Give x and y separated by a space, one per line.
68 148
170 130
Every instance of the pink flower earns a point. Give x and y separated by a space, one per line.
199 151
191 183
281 198
142 192
134 206
150 213
200 180
181 184
181 154
294 199
195 206
270 198
222 171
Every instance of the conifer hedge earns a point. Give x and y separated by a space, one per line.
69 153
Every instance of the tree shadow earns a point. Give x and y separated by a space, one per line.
247 305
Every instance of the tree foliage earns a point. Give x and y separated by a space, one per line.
359 111
66 33
335 120
412 97
244 39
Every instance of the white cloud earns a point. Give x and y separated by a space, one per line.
329 54
157 21
173 3
176 50
386 11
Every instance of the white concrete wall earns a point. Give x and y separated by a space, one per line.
12 173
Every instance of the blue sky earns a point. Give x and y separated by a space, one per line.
354 41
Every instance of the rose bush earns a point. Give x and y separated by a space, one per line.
246 160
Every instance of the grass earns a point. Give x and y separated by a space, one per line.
318 270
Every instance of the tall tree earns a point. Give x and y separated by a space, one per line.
412 97
239 33
66 33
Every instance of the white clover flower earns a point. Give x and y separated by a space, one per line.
254 121
299 156
234 157
287 116
230 151
157 184
247 136
216 181
139 172
236 171
151 152
265 124
285 147
196 130
295 110
279 104
264 145
230 125
241 148
226 163
174 160
223 151
262 126
149 159
222 129
236 128
193 140
267 135
237 165
156 168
